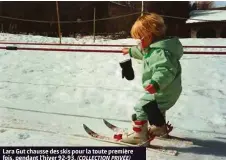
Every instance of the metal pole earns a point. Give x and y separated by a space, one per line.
58 21
142 8
94 24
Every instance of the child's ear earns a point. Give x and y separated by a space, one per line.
150 38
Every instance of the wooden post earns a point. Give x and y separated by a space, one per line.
94 24
142 8
58 21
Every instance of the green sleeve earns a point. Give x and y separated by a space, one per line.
136 53
164 71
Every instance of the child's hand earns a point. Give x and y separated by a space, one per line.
125 51
150 88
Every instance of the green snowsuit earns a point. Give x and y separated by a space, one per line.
162 69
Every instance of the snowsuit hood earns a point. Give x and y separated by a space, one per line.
173 45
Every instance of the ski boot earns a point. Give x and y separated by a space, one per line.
138 135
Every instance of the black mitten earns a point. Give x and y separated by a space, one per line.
127 69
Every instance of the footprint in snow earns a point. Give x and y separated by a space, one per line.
23 135
2 130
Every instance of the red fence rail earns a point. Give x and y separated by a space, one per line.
59 49
99 51
100 45
68 44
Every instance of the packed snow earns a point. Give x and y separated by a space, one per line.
46 96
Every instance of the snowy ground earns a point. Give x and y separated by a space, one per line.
47 96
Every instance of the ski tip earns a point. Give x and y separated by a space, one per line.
85 126
87 129
104 120
107 123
